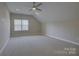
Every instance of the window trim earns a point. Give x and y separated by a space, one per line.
21 26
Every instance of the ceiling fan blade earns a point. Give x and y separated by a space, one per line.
38 9
38 4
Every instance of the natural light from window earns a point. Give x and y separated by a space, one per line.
21 25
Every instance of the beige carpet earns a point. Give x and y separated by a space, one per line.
39 46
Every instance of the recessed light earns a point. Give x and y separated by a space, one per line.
17 9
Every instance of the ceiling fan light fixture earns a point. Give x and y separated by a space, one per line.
34 8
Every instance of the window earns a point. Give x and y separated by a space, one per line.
21 25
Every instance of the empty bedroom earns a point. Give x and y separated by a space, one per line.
39 28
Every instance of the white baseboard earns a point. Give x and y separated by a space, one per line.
69 41
5 44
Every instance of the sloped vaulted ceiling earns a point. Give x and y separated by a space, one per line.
51 11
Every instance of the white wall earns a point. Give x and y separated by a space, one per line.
68 30
4 25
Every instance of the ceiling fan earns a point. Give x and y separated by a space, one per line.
35 7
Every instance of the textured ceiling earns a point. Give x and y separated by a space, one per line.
51 11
